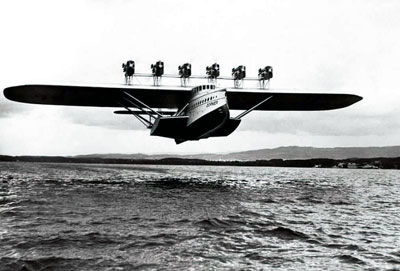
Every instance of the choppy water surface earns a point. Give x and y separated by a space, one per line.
124 217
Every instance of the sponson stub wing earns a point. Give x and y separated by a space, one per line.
174 97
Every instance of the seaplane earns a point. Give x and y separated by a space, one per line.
184 112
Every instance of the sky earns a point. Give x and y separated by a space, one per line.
339 46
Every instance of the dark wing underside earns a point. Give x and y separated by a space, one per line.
290 101
172 97
99 96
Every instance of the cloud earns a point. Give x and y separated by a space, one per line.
8 109
320 123
326 46
100 117
333 123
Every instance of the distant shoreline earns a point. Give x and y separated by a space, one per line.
364 163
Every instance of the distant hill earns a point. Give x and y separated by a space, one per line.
117 156
286 153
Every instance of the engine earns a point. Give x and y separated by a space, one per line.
265 73
212 71
157 69
129 70
239 73
185 71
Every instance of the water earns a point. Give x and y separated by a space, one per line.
131 217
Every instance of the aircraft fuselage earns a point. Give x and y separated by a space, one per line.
206 115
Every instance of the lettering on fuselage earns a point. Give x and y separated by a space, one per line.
212 103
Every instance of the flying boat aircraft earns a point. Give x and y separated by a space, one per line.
183 112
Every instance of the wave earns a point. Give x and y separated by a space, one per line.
54 216
284 233
84 240
350 259
213 223
44 263
345 246
158 240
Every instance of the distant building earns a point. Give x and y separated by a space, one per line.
352 165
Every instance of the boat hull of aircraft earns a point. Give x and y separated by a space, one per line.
206 113
208 125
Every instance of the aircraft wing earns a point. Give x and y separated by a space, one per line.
173 97
99 96
282 101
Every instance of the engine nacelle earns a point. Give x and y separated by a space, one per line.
212 71
239 73
185 71
265 73
157 69
129 68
